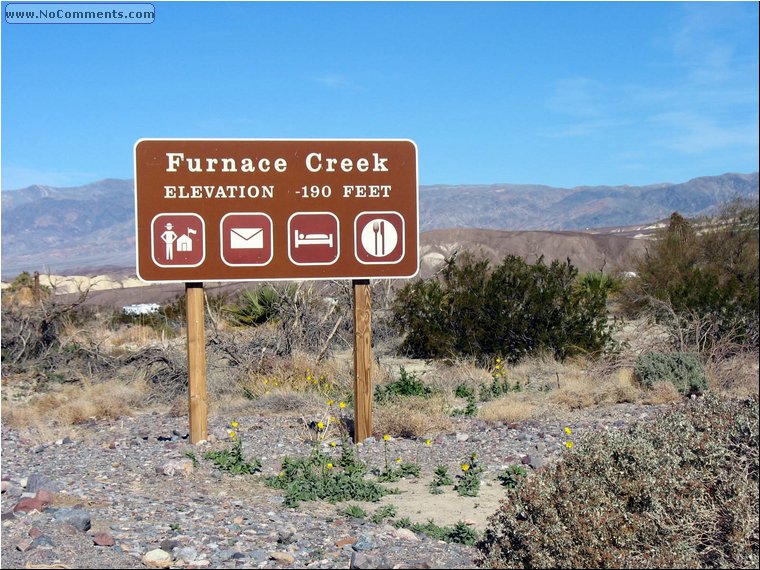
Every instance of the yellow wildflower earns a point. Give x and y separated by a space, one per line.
329 402
398 460
329 465
342 405
569 444
465 466
428 442
232 433
320 425
386 437
234 424
568 431
333 444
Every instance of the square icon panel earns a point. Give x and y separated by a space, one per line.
379 238
313 238
246 238
178 240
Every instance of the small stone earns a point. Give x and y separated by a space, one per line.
4 486
77 518
103 539
35 532
363 543
176 467
157 558
361 560
345 541
45 497
28 504
406 534
43 541
39 481
282 557
26 544
462 436
168 544
187 553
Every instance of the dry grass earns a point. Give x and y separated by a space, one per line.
583 389
299 374
661 393
736 376
508 409
413 416
72 404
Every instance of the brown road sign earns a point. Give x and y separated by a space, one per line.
229 210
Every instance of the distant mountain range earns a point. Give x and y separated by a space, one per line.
91 227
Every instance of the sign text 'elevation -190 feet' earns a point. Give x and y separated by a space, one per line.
224 210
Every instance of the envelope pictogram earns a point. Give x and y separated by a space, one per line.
246 238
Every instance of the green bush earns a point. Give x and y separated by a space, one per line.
701 279
682 369
678 491
513 309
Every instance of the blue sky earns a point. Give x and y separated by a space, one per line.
564 94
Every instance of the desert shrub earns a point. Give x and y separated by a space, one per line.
700 280
678 491
682 369
514 309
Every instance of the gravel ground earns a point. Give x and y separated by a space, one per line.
115 491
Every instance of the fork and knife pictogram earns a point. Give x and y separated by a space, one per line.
378 226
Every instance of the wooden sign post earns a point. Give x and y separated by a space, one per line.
196 362
362 360
264 210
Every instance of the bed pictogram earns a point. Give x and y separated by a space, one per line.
313 238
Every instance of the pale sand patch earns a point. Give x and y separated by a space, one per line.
419 504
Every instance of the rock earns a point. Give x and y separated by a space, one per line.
157 558
363 560
43 541
168 544
38 481
77 518
176 467
187 553
462 436
35 532
45 497
7 516
282 557
4 486
28 504
103 539
534 461
345 541
406 534
26 544
363 543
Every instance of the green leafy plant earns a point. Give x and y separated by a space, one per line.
460 533
384 512
408 384
317 478
470 410
441 478
232 459
401 470
683 370
512 476
468 482
355 511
